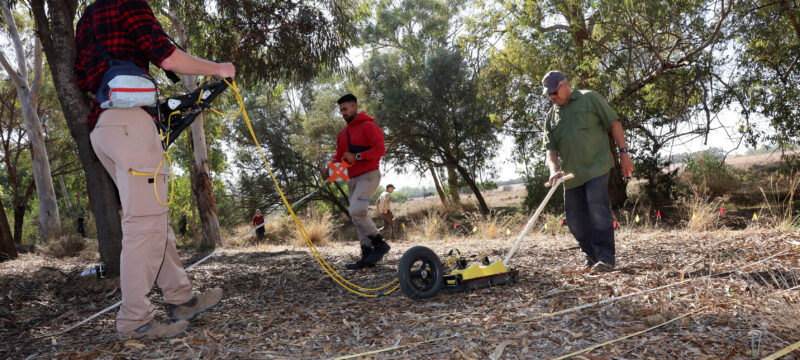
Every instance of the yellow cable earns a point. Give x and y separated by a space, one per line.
314 251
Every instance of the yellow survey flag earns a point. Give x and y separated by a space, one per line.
545 226
637 218
694 216
474 229
755 217
508 231
435 221
491 228
404 225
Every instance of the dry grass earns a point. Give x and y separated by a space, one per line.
65 246
551 224
495 226
427 224
90 252
319 227
780 206
702 212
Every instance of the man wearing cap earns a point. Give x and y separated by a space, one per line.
575 130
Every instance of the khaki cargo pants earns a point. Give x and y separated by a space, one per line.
360 189
125 140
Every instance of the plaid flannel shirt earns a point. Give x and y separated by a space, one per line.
128 30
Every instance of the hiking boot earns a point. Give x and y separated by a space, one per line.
602 267
585 268
360 264
156 330
198 303
379 248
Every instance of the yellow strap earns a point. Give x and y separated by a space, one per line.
783 352
155 180
343 282
169 161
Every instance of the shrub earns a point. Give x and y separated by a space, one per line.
710 171
65 246
702 211
659 188
534 186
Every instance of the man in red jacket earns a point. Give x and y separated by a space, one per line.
361 144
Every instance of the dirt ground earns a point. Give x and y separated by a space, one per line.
280 304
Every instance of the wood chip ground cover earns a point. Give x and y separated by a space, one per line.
279 304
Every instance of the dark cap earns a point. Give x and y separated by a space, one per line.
551 81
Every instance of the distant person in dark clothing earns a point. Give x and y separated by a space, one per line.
183 223
258 219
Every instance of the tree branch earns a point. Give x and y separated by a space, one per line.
556 27
38 61
792 18
13 74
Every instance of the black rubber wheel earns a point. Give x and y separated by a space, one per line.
420 273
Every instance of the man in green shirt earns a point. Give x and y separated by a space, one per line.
576 130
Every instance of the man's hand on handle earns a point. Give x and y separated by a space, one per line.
226 70
554 177
349 157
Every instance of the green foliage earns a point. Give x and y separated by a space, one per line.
766 80
651 60
534 185
270 40
418 191
660 187
483 186
433 116
711 172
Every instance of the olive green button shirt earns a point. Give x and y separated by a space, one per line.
578 131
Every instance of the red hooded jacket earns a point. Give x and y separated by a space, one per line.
362 133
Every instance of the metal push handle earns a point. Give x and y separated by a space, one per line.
536 215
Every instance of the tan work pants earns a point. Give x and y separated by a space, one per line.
360 189
125 140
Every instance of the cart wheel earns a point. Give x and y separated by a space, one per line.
420 273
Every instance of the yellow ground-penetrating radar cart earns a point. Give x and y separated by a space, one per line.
422 274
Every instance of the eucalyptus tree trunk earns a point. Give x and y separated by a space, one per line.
55 25
8 251
49 219
452 184
201 181
438 185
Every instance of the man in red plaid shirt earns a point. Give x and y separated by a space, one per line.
127 143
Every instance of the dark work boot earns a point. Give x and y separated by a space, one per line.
361 263
379 248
